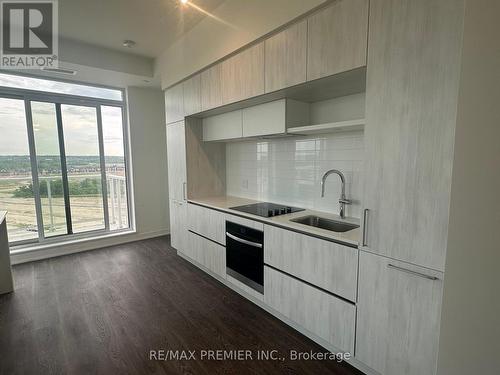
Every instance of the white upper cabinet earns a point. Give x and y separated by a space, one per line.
243 74
263 119
268 118
223 127
399 309
176 161
174 103
337 37
192 95
411 104
286 56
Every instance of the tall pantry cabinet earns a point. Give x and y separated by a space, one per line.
177 184
414 49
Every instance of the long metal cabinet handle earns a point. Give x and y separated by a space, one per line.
365 227
246 242
184 193
412 272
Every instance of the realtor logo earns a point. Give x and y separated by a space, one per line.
29 34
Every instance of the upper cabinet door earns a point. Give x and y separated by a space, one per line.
264 119
286 56
192 95
176 161
411 104
243 74
174 103
211 87
337 38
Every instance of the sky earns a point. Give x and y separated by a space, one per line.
79 124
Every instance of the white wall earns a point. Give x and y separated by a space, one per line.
149 159
289 170
470 321
210 40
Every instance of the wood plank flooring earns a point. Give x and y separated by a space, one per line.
102 311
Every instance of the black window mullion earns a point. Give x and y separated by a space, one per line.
64 169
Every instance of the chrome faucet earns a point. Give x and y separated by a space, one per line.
343 200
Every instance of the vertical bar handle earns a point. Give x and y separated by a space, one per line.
184 192
365 227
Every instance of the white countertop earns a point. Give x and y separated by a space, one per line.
224 203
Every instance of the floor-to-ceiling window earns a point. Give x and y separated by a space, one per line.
63 166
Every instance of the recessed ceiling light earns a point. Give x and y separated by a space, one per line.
184 1
128 43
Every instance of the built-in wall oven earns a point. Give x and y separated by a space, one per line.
245 255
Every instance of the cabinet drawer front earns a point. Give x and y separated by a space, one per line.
398 316
324 315
207 222
329 265
225 126
208 254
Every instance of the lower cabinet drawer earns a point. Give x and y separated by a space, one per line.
207 222
329 265
207 253
322 314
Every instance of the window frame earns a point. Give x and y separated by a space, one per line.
58 99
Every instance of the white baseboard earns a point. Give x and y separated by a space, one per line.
76 246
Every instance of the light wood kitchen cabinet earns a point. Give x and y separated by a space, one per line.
178 225
399 307
337 38
192 95
326 264
285 57
223 127
211 87
410 125
322 314
176 161
207 223
243 74
207 253
174 103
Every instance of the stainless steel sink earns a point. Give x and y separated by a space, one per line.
321 222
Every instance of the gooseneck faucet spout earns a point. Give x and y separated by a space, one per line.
343 200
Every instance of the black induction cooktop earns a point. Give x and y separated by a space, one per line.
266 209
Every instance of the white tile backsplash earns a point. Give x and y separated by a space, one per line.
289 170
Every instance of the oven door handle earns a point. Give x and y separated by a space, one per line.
246 242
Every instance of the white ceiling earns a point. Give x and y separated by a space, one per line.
152 24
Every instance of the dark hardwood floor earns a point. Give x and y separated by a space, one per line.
102 311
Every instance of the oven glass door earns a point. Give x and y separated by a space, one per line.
245 255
